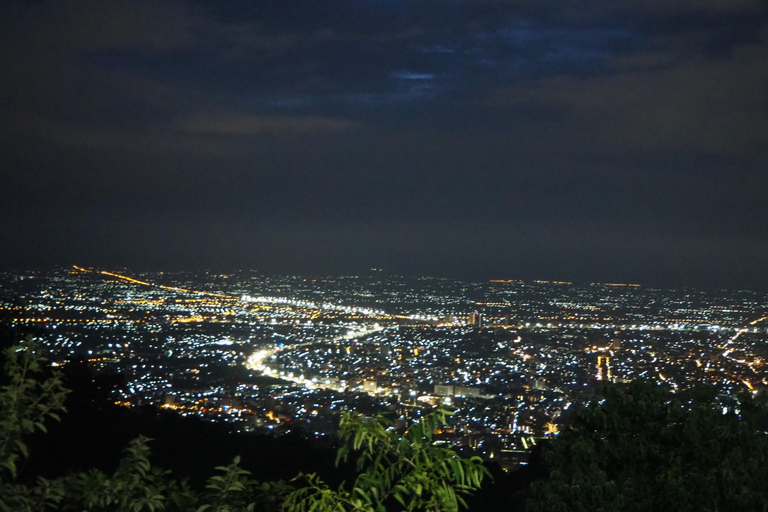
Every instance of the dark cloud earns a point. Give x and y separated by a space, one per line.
706 104
239 123
599 141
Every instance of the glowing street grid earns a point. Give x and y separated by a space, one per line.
286 353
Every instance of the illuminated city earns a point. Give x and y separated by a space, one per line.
271 354
383 255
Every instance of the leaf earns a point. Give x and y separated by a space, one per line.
22 448
362 494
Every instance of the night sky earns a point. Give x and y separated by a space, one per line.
621 141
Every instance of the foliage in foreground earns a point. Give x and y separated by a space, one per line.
394 471
640 451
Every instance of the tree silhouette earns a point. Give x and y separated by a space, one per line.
642 449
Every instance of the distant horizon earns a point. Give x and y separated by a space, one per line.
372 272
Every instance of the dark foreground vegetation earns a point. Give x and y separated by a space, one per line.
640 448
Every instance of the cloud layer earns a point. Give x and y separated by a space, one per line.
492 137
